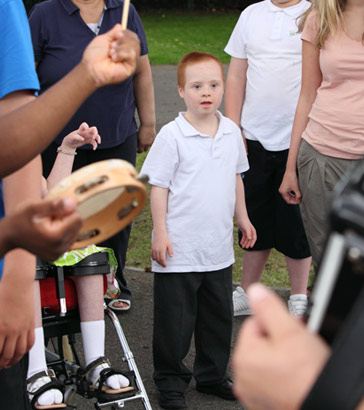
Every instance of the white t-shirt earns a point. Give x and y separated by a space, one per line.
200 174
266 35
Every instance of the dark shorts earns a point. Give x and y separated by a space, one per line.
278 224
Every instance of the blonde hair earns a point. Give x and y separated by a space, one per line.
329 15
195 57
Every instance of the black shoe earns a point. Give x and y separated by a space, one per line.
222 390
172 400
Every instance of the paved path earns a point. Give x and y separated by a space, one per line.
167 101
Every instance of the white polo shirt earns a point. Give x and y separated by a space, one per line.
267 36
200 174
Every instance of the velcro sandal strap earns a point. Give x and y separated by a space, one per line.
93 365
53 384
82 381
44 373
106 373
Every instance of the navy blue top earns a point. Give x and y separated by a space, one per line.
59 38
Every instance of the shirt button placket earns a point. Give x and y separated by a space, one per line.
277 26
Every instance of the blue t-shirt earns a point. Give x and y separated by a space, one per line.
16 56
60 37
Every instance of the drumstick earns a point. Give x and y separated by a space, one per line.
124 20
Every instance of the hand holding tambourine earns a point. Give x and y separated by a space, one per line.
109 194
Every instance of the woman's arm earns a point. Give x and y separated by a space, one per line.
144 97
311 81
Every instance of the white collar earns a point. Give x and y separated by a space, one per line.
293 11
188 130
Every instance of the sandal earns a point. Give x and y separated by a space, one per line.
53 384
113 304
99 388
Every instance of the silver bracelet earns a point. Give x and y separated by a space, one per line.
59 149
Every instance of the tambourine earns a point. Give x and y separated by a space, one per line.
109 195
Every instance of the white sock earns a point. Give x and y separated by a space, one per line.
37 360
93 337
37 363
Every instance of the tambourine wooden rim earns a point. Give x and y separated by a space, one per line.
109 195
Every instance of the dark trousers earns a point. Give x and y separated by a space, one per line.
126 151
187 303
13 392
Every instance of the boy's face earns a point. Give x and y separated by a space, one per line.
204 88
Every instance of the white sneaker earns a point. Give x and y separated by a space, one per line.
240 302
297 304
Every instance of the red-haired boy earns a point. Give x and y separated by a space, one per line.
194 168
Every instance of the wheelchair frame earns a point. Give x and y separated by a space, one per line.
57 325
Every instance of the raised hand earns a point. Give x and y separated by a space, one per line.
84 135
272 347
112 57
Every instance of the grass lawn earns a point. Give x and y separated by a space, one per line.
170 35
